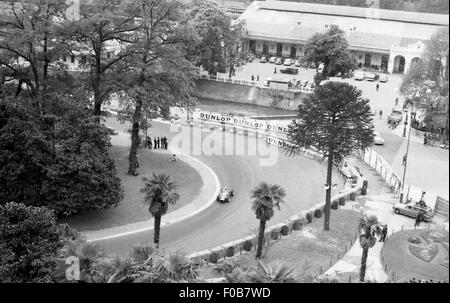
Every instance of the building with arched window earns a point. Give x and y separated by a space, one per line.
382 39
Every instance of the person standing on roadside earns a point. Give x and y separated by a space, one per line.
154 144
381 114
378 86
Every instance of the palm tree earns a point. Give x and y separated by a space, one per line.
368 228
159 193
265 198
263 273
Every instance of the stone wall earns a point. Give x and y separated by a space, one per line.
247 94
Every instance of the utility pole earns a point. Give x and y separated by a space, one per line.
406 163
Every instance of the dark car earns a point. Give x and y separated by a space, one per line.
289 70
225 195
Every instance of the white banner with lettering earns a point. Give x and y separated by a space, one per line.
241 122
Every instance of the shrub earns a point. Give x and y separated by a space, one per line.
284 230
309 217
342 201
334 205
274 234
30 242
214 257
230 251
247 246
353 196
297 225
318 213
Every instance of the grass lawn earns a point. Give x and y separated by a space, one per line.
308 250
420 254
131 209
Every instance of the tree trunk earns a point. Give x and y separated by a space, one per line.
262 227
134 139
326 223
96 88
157 228
231 71
362 270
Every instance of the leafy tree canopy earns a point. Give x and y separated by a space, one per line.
30 240
331 49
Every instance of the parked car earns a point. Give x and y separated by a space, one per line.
396 116
289 70
384 78
360 75
297 63
412 210
279 61
263 59
225 195
288 62
377 139
371 76
272 59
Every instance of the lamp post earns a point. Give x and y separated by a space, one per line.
406 161
413 113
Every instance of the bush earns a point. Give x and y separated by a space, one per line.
214 257
352 196
274 234
30 242
334 205
309 217
342 201
284 230
247 246
230 251
297 225
318 213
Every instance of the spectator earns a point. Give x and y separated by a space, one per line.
257 78
253 78
378 86
396 101
384 233
404 160
425 139
275 70
381 114
418 219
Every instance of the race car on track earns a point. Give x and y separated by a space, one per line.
225 195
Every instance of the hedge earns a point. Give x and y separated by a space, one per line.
284 230
317 213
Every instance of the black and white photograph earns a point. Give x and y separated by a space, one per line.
220 146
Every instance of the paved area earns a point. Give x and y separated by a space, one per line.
378 202
428 166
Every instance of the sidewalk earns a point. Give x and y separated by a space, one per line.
378 202
206 197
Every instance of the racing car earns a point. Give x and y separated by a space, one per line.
225 195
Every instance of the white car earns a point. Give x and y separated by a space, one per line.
371 76
377 139
383 78
272 59
359 75
288 62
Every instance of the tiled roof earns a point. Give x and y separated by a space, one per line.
350 11
291 21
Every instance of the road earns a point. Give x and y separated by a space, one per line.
302 179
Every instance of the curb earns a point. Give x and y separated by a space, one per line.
164 222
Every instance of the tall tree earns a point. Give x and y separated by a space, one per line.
159 194
233 51
30 44
213 26
336 121
104 27
368 229
265 198
157 74
331 49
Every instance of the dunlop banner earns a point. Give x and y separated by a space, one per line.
241 122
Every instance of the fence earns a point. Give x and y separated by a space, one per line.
306 90
389 175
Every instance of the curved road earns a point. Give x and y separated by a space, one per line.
302 179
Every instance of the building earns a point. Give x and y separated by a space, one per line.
383 39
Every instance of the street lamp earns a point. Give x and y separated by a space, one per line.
405 160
